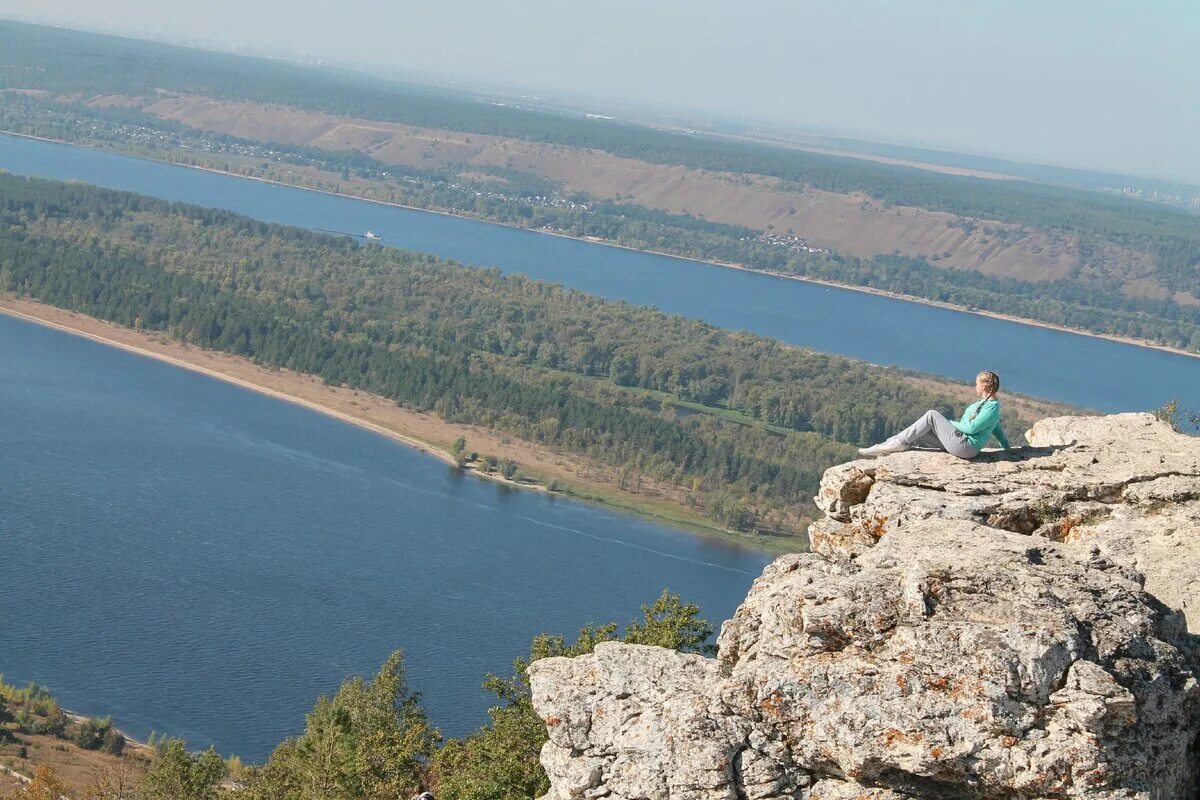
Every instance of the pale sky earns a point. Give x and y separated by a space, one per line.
1102 84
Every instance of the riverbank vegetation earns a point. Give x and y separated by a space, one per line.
1137 261
31 709
742 426
371 740
39 739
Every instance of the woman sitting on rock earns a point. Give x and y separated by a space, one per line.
964 438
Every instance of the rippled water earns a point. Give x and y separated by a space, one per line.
198 559
201 560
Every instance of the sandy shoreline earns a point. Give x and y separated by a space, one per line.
423 431
10 307
1133 341
579 479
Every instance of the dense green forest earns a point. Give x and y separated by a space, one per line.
70 61
527 201
587 375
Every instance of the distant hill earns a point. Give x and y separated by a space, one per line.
1092 260
1174 193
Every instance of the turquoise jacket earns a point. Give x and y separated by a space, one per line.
984 425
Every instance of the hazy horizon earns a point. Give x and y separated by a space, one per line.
1105 86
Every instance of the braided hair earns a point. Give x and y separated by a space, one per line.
991 382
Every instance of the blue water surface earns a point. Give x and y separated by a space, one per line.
202 560
1089 372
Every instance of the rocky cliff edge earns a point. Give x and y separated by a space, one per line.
1015 626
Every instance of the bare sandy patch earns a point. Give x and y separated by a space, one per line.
352 137
847 223
1186 299
265 123
75 767
944 169
480 177
117 101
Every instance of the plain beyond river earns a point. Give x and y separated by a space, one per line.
1082 370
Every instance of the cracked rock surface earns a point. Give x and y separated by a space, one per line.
1125 485
950 637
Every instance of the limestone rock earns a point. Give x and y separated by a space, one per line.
635 721
954 661
956 633
1126 485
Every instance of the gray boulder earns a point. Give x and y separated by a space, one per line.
1125 485
952 636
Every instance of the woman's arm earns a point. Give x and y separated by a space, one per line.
987 419
998 432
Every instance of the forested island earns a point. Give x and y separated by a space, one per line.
1079 259
736 427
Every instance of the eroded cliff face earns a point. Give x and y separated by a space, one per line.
1126 486
963 630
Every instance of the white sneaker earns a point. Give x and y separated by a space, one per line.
881 449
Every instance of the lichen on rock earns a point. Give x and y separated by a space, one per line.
962 630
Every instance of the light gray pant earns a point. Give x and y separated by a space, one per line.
935 431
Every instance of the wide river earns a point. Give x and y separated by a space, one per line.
203 560
1089 372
